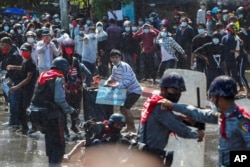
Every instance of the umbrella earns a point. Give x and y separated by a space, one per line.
17 11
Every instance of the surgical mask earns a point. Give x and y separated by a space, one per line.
146 30
163 34
57 20
134 28
19 31
225 16
127 29
173 97
201 31
221 31
99 28
219 3
183 24
6 28
30 40
11 21
31 29
240 16
88 22
151 19
140 22
213 107
215 41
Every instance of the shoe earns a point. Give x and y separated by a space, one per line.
6 124
144 79
75 129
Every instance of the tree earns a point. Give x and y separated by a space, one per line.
100 7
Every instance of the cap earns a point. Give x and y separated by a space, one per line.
26 47
46 32
6 40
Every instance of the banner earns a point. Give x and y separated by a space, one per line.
107 95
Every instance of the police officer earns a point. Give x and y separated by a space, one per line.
234 134
49 93
156 125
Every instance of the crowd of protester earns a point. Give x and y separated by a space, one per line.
216 43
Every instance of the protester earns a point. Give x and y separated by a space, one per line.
25 87
123 77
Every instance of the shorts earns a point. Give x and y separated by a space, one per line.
131 100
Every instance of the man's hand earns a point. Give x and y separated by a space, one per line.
74 115
166 104
201 135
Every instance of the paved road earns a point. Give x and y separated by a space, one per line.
20 151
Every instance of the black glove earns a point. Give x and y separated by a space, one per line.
74 115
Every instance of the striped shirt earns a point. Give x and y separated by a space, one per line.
124 74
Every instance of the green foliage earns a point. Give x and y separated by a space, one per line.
100 7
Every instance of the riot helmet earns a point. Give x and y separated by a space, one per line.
223 86
172 80
116 118
60 63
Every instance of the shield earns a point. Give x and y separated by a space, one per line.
17 11
196 84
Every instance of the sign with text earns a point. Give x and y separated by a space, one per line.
107 95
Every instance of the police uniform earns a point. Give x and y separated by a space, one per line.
236 126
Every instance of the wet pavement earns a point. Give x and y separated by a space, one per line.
22 151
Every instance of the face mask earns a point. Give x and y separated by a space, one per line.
151 19
25 54
173 97
140 22
114 129
69 51
202 7
57 20
163 34
215 41
222 31
213 107
240 16
88 22
19 31
99 28
6 28
201 31
219 3
146 30
225 16
4 51
127 29
134 28
183 24
11 21
31 29
30 40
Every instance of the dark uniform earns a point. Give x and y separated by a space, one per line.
50 94
234 129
